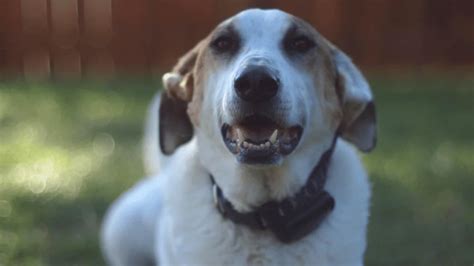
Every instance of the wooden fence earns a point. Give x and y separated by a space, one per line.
77 38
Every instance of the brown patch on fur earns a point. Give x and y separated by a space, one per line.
183 87
187 89
205 64
186 63
194 68
194 107
324 74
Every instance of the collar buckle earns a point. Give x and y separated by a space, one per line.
300 220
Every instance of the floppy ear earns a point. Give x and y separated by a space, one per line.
359 120
175 127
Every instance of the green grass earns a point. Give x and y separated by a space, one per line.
67 150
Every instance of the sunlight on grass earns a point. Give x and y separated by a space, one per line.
68 150
33 157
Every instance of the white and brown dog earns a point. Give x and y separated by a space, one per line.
250 155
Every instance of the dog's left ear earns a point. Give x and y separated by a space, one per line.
359 119
175 127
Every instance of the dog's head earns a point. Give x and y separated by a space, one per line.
265 86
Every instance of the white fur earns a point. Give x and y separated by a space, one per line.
151 149
171 218
190 231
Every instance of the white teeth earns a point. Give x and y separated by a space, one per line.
240 137
274 135
248 145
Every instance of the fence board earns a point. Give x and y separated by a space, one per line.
327 18
36 64
34 15
10 39
67 63
97 22
64 22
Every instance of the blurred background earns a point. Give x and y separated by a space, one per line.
80 38
76 77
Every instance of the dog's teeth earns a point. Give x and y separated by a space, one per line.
245 144
274 135
240 137
267 144
262 146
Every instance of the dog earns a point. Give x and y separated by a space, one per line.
251 148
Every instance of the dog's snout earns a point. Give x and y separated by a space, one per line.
256 84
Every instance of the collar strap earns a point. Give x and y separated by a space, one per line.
292 218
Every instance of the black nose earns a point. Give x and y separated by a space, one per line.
256 84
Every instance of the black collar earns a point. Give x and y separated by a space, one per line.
292 218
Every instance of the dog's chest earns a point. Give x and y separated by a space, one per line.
192 232
198 234
232 245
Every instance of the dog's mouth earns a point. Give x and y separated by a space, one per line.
260 140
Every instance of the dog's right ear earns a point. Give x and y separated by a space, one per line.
175 125
179 83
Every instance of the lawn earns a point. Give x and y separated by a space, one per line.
68 149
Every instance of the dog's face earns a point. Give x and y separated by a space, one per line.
264 85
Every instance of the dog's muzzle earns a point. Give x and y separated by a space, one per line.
257 132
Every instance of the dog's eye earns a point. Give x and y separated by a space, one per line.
223 44
301 44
